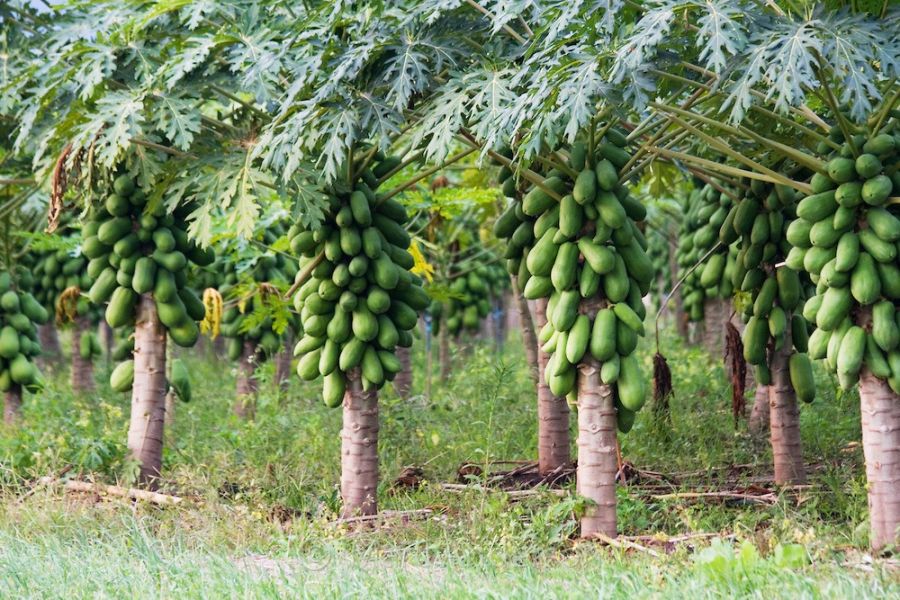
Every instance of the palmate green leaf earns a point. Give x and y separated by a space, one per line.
446 117
486 107
722 34
96 63
177 119
194 54
406 72
848 43
579 91
119 117
642 45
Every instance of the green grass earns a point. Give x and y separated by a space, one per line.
233 540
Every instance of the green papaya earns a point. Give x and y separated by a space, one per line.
630 385
801 373
122 377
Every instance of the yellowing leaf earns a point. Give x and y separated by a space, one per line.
421 267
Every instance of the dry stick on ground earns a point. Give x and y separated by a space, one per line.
513 494
766 499
73 485
623 543
43 482
386 515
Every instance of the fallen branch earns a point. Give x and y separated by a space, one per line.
624 544
767 499
385 515
44 482
73 485
460 488
656 539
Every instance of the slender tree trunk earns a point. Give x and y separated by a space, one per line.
106 334
681 320
529 337
714 326
12 405
784 420
49 340
596 475
880 411
500 321
219 347
759 414
82 369
444 350
403 379
148 396
171 398
247 385
359 449
429 354
283 363
553 412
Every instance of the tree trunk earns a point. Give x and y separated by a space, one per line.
283 363
171 398
444 350
681 320
500 322
714 318
106 334
12 405
359 449
148 396
759 414
49 340
403 379
784 420
553 412
880 411
529 337
247 385
596 474
82 370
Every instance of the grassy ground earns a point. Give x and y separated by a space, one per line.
264 493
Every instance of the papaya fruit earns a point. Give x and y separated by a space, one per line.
801 374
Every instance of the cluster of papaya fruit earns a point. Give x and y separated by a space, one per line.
706 211
361 300
55 271
847 237
757 225
135 248
472 294
586 254
240 325
20 313
89 346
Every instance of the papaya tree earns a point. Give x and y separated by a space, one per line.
61 282
254 277
20 316
518 229
152 155
844 65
